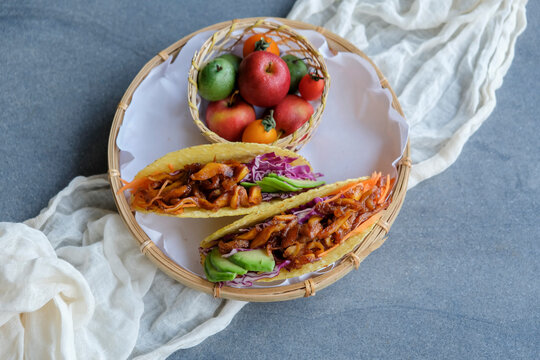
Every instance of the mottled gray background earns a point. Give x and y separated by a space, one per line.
458 276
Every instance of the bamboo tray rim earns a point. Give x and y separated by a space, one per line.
371 242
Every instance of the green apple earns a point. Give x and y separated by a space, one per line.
297 68
233 59
216 80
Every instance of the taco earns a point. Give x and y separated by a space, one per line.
298 235
220 180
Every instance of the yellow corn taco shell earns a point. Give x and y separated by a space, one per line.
202 154
288 204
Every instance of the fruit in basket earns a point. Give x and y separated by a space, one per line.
216 80
311 86
233 59
262 131
229 117
260 42
291 113
263 79
297 70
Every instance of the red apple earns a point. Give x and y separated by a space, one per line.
291 113
263 79
229 117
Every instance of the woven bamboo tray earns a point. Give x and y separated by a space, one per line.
290 42
307 288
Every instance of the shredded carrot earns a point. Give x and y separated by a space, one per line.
363 226
171 167
179 211
345 188
337 193
158 196
385 190
184 203
163 205
132 185
372 181
359 229
367 185
324 253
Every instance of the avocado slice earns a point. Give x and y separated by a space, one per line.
213 275
254 260
247 184
275 183
265 187
303 184
223 264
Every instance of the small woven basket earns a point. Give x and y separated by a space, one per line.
289 41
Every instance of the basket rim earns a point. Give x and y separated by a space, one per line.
372 241
301 135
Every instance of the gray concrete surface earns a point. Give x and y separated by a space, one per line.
456 279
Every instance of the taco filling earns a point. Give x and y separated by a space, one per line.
308 233
219 184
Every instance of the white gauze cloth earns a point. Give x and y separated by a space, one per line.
74 285
444 59
73 282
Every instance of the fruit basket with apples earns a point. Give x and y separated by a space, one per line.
258 69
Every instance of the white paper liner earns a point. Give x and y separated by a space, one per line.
359 133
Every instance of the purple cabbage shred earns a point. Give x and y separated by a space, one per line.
249 278
265 164
304 212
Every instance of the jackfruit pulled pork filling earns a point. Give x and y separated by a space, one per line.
304 240
210 186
